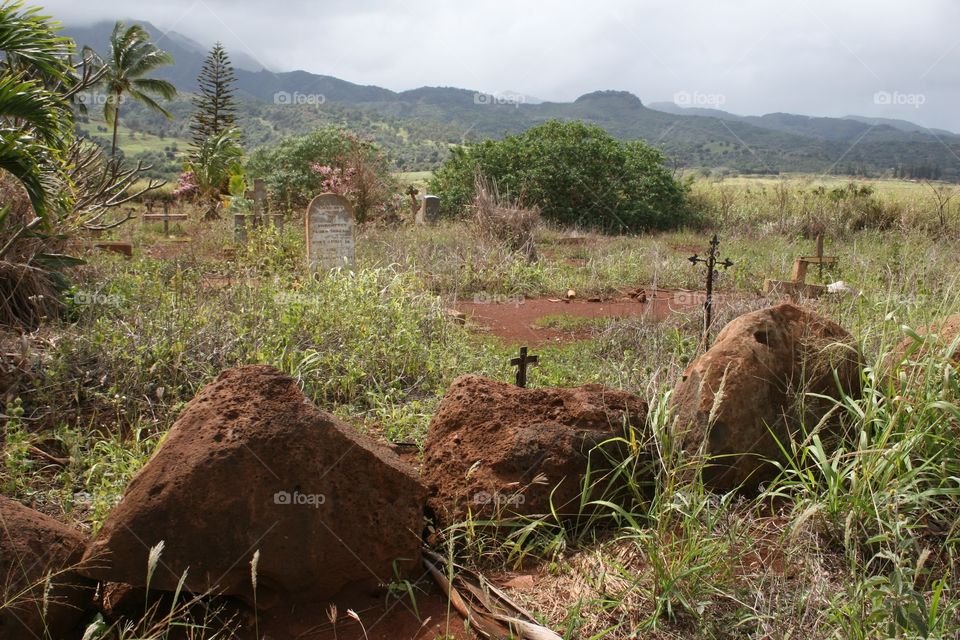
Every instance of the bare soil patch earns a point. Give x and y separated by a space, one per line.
517 322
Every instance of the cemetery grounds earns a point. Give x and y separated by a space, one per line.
840 546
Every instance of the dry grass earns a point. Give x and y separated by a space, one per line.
502 219
27 296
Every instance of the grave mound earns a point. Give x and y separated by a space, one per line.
252 466
496 449
935 337
34 546
753 388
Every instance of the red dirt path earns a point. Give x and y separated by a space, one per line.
515 322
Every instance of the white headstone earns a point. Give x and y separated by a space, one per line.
329 227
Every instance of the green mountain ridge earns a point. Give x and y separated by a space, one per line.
418 126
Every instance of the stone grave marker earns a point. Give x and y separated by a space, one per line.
260 194
261 205
429 210
329 229
240 228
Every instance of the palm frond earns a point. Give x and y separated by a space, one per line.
22 158
28 102
159 87
29 41
139 96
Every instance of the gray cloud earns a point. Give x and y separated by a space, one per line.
875 58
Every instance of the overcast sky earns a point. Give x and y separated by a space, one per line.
815 57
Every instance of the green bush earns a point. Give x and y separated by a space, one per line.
286 166
577 174
330 159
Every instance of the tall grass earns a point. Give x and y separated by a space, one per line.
855 541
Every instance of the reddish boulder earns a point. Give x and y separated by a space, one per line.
934 337
251 465
736 401
494 448
34 546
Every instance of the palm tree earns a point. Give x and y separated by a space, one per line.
34 120
131 57
218 158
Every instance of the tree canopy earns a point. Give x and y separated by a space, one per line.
577 174
214 103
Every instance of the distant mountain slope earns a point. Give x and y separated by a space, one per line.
902 125
847 128
418 125
188 54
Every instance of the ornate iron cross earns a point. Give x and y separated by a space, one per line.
712 264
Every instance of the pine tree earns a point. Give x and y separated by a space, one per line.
214 101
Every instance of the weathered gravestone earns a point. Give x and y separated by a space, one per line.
260 194
259 212
240 228
429 210
329 228
261 205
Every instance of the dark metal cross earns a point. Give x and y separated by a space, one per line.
712 264
521 365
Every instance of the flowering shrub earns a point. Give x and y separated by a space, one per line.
186 185
329 160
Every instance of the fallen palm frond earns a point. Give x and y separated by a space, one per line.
487 609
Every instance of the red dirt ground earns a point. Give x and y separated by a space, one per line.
382 621
515 322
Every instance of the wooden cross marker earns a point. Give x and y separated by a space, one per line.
800 266
166 217
521 365
712 264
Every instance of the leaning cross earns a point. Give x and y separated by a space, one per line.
712 264
521 365
800 266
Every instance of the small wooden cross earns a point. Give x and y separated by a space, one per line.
800 266
521 365
166 217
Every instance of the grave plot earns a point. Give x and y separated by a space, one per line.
543 321
329 228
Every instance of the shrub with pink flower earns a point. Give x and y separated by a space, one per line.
186 185
336 179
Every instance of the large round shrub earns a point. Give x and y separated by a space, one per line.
577 174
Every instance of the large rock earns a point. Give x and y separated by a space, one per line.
489 441
34 546
741 397
251 465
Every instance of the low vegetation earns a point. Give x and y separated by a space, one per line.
99 356
858 541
